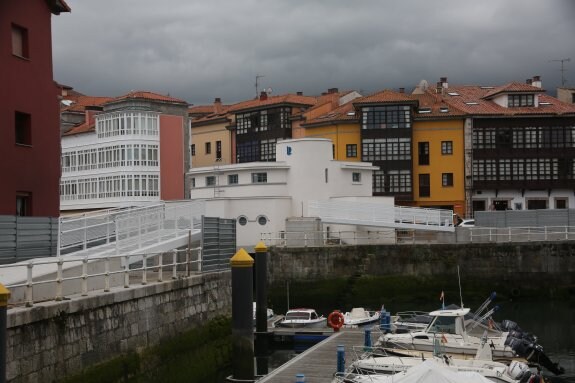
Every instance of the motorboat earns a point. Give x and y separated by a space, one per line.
358 316
406 321
450 329
482 363
303 317
428 371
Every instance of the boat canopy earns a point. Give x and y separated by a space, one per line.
449 313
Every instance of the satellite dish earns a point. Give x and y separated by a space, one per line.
269 91
67 102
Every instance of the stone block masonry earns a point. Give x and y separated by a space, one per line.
53 340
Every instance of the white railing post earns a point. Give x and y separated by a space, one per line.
546 233
490 235
29 285
139 232
529 234
160 271
85 233
509 229
174 264
107 274
566 232
85 276
145 269
470 234
127 272
305 239
58 296
108 229
188 253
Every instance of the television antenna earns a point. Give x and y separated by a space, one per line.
563 70
258 76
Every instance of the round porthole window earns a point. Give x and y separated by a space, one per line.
262 220
242 220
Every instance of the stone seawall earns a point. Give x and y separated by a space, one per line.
53 340
510 265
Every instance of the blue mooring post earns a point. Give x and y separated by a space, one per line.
262 334
242 317
341 358
367 338
4 296
300 378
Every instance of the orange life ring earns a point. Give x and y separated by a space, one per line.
335 320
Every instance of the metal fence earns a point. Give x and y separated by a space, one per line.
411 237
218 242
61 277
23 238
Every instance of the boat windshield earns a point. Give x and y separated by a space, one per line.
298 315
442 325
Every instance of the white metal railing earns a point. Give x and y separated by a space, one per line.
410 237
131 228
375 214
59 277
327 238
521 234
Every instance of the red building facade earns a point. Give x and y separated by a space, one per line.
29 112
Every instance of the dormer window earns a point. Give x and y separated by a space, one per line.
518 100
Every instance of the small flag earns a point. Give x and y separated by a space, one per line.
442 299
442 296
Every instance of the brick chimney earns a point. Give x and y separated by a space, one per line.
332 90
401 90
299 93
218 105
536 81
263 96
529 81
90 112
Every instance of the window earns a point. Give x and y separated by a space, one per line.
193 149
242 220
423 153
326 175
351 150
259 178
20 41
386 117
210 180
560 203
218 150
23 204
514 100
446 147
23 128
356 177
424 185
386 149
447 179
262 220
333 151
232 179
208 147
193 182
392 181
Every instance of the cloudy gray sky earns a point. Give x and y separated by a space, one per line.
199 50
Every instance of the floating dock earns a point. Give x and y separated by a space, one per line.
318 363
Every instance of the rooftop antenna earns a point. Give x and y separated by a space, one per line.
258 76
563 70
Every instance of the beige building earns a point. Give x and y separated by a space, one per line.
566 95
210 136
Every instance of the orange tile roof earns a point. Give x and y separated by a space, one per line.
57 6
149 96
79 103
432 105
84 127
382 97
273 100
514 87
472 100
344 113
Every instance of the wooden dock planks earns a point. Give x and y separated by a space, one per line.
319 363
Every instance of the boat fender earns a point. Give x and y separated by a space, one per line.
335 320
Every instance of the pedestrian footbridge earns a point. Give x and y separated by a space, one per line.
147 229
379 215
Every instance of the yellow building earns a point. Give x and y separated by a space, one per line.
438 155
210 137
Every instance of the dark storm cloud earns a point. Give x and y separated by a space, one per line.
200 50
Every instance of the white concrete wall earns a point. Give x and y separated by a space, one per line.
515 196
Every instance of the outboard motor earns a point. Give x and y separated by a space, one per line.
533 352
517 370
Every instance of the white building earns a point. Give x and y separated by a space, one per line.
262 195
128 153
